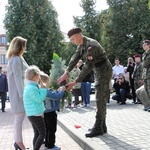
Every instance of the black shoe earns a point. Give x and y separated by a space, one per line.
94 132
146 108
17 146
122 103
3 110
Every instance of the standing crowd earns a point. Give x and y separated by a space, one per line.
132 81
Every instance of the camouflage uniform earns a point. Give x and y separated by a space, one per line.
102 72
146 71
142 95
137 75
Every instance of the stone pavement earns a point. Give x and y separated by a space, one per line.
128 126
6 134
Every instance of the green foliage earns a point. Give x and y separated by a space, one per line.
57 69
69 50
125 24
90 21
37 21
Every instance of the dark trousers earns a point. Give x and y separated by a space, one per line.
120 97
39 131
3 99
76 93
51 127
133 89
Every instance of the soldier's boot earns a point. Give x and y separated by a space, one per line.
96 130
104 126
3 109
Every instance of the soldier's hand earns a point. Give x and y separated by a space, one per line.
62 78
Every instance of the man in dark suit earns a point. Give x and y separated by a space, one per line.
3 88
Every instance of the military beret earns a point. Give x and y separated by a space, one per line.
137 55
73 31
146 41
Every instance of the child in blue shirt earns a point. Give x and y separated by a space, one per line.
52 104
33 96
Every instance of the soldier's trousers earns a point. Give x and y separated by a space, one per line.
147 87
102 77
142 95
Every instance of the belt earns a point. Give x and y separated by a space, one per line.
100 63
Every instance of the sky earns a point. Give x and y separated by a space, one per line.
66 9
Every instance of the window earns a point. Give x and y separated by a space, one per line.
3 40
3 59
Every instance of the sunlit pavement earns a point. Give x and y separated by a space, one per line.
6 134
128 126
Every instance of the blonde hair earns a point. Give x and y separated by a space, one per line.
16 46
44 77
31 71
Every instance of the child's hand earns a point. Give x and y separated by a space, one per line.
63 88
42 85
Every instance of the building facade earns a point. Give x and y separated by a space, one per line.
3 44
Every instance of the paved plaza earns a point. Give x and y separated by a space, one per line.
6 134
128 128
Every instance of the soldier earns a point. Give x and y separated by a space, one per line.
146 66
137 74
3 88
94 57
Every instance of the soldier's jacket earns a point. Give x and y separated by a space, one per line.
137 73
146 65
99 62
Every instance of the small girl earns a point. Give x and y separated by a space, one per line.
34 95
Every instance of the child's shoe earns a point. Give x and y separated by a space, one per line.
69 106
54 148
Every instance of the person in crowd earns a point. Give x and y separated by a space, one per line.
110 88
142 95
86 86
137 74
80 65
52 104
117 69
146 66
126 75
122 89
94 58
130 69
3 89
15 70
76 90
34 96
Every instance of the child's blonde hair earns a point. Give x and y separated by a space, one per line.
44 77
31 71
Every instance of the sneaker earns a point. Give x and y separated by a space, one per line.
69 106
146 108
85 105
88 105
54 148
107 104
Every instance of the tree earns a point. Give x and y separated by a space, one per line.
90 21
125 26
37 21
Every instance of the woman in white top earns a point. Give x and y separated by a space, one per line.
16 67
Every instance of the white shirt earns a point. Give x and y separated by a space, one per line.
116 70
